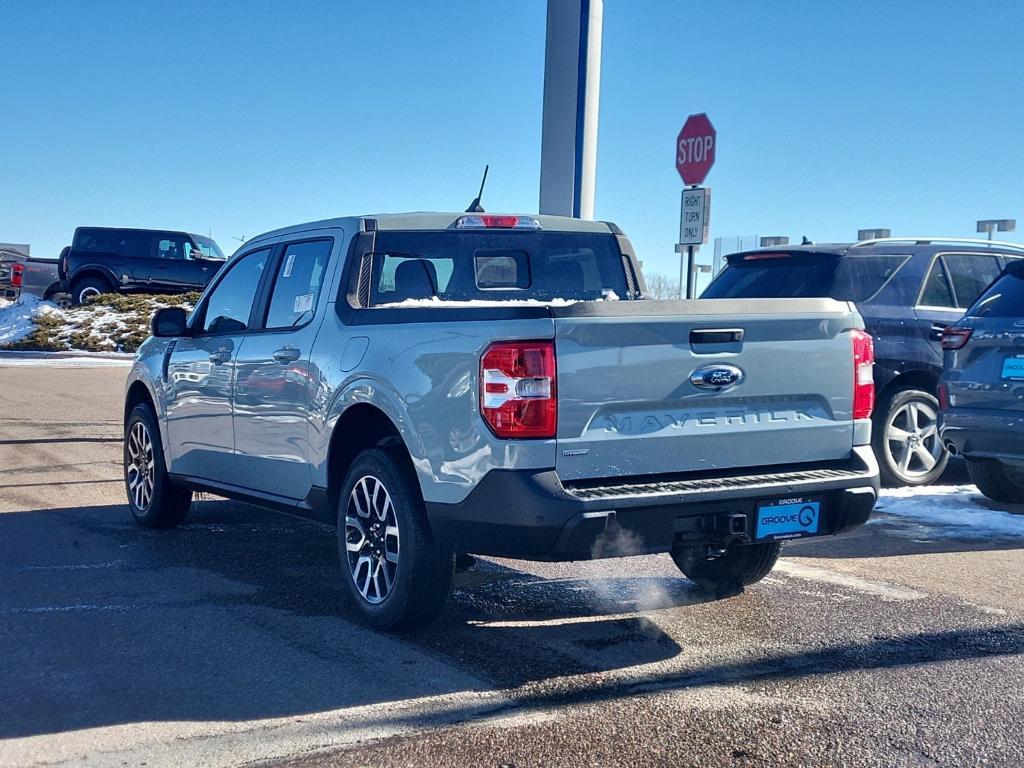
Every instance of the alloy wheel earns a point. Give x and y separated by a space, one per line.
371 539
912 439
87 293
141 468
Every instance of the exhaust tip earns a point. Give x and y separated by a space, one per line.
951 448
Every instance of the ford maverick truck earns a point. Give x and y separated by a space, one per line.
438 384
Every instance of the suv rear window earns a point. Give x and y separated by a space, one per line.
786 276
495 266
1004 298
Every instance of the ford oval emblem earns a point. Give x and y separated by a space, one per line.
716 376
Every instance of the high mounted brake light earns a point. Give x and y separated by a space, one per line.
518 393
761 256
490 221
956 338
863 374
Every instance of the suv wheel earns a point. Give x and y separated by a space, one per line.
88 288
738 566
155 501
906 440
397 576
997 480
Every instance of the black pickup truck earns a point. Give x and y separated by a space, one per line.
103 260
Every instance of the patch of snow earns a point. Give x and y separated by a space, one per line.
436 301
950 511
16 317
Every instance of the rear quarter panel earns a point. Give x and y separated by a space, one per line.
424 376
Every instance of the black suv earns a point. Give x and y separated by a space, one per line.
102 259
908 290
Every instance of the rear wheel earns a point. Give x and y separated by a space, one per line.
397 576
996 480
88 288
740 565
906 439
155 501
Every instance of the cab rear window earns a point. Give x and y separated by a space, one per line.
495 266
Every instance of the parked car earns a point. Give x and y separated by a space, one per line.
908 290
101 260
434 384
981 393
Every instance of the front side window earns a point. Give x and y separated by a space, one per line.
297 285
169 247
970 273
229 305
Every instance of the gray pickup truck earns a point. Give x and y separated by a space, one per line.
20 275
439 384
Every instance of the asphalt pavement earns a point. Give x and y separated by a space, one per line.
228 641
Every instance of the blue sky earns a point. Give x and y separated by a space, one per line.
241 117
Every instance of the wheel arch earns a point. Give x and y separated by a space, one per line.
926 381
93 270
359 427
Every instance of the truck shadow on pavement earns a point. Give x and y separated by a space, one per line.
239 615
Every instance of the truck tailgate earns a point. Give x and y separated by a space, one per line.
627 405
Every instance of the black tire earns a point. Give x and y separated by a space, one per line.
87 287
996 480
892 414
418 585
739 566
167 504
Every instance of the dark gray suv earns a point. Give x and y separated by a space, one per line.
981 393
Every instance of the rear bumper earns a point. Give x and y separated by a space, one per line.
531 515
984 434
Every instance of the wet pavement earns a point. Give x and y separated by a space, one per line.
228 641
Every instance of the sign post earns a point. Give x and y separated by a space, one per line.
695 154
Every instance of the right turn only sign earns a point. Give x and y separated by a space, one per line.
694 220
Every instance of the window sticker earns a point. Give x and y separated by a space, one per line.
303 303
288 264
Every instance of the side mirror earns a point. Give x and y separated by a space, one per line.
169 322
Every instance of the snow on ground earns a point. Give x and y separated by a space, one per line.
948 511
16 317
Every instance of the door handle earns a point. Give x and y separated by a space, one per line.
286 355
220 356
936 332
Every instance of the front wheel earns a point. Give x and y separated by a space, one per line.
905 438
155 501
997 480
396 575
740 565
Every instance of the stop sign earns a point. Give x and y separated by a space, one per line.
695 149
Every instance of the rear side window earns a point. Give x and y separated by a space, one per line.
133 245
1004 299
970 273
495 266
96 240
858 278
297 285
775 277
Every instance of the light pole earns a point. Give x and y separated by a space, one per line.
996 225
767 242
873 234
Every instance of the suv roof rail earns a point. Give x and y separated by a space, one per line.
942 241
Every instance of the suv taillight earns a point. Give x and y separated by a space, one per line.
17 275
518 396
863 375
955 338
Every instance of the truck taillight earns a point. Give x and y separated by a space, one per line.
17 275
863 374
518 389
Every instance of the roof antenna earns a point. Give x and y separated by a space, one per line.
475 206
